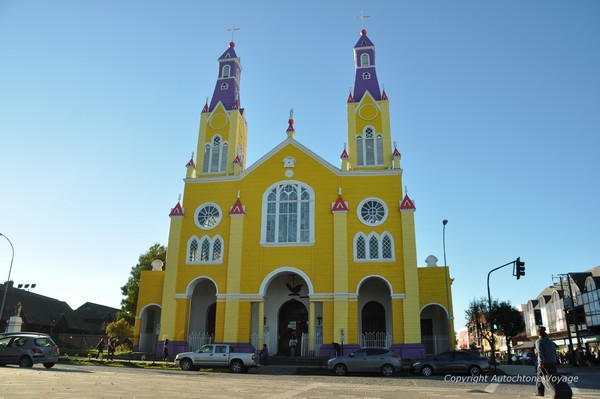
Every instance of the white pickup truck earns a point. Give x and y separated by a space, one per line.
216 355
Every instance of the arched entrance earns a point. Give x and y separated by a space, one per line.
434 329
202 313
375 312
293 320
149 328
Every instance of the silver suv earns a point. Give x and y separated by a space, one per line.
26 349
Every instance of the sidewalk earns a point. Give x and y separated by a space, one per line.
516 369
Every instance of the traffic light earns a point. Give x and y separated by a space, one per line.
520 268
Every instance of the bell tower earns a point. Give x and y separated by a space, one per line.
222 135
369 135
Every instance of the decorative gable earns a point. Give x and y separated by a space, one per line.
339 206
177 211
407 204
238 208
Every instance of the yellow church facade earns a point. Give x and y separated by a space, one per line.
293 245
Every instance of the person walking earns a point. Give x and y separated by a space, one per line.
100 348
546 352
110 349
166 350
293 342
264 355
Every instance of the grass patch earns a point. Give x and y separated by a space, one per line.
118 363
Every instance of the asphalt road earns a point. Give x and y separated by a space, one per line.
74 381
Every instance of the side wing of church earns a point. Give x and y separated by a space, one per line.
292 245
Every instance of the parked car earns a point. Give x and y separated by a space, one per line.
367 360
216 355
27 349
451 362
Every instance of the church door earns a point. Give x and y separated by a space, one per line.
293 320
373 318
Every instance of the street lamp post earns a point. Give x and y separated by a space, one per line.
450 340
7 280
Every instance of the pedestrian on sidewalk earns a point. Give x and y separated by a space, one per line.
264 356
100 348
546 350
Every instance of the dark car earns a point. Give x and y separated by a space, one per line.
367 360
26 349
453 362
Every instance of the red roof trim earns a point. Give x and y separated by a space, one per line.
344 155
396 153
384 96
237 208
407 204
339 205
177 211
350 99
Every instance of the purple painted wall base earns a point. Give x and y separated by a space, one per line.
329 349
410 351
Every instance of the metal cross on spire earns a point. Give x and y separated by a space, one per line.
362 18
232 30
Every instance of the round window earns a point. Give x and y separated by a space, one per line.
372 212
208 216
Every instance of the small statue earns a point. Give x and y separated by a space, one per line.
18 309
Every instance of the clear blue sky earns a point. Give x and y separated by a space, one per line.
495 109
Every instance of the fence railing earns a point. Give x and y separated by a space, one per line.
196 339
371 339
305 345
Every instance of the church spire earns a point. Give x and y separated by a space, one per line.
227 89
366 76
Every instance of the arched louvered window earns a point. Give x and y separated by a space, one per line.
217 250
386 247
365 60
215 156
226 71
373 247
360 248
369 148
193 251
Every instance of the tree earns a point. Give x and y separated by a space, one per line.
507 319
510 323
131 289
121 330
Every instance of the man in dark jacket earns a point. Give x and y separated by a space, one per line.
546 353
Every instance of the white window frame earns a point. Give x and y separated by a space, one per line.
226 72
363 57
363 202
197 212
376 144
215 154
211 253
367 240
366 75
224 86
311 215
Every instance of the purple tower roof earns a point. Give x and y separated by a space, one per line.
227 89
366 76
